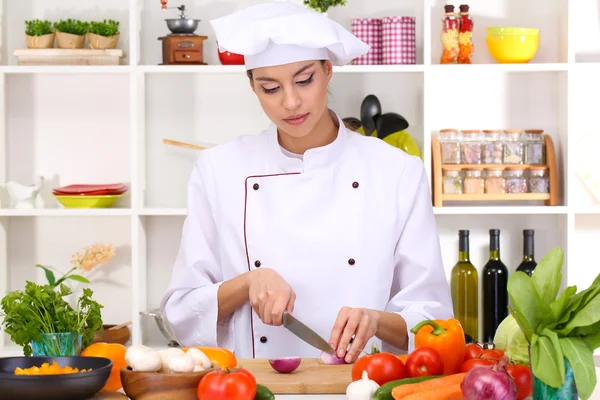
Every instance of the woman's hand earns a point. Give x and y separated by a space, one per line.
361 323
270 295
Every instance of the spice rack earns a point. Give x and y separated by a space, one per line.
550 198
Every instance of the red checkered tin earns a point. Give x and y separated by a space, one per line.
369 31
399 40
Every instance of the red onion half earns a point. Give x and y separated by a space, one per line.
331 359
489 383
285 365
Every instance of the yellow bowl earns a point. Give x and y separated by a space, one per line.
88 201
512 45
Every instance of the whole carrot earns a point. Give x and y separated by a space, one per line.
451 392
400 392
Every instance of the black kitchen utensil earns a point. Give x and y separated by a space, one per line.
369 110
352 123
76 386
389 123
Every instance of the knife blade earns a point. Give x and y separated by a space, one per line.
305 333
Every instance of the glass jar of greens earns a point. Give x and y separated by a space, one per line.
452 182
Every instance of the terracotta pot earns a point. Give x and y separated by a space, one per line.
40 42
69 41
102 42
120 336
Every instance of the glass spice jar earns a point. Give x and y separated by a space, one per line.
452 182
474 182
492 147
494 181
538 179
471 147
515 180
534 146
513 147
450 144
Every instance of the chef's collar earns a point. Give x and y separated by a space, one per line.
315 158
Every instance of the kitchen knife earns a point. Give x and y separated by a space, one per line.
305 333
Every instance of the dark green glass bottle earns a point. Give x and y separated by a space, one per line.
528 264
464 285
495 293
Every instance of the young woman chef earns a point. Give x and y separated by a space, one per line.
307 216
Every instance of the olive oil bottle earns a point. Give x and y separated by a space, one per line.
528 264
495 293
464 285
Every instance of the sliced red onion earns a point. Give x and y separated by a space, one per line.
285 365
489 383
331 359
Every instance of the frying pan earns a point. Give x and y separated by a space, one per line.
77 386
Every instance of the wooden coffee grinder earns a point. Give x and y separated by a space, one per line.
182 46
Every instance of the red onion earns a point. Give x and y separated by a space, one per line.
285 365
331 359
489 383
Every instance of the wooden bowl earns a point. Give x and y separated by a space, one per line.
161 386
121 335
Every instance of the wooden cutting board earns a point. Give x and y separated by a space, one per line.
309 378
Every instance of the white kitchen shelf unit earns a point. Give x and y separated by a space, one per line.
77 124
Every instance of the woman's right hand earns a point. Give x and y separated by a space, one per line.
270 295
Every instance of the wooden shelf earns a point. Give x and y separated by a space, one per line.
550 199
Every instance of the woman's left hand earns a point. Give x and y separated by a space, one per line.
358 322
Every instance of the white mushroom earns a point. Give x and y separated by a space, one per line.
143 359
184 363
200 359
166 354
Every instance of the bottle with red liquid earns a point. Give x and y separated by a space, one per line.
163 3
449 36
465 36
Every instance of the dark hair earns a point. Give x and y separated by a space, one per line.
249 72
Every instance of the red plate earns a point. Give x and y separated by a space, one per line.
87 189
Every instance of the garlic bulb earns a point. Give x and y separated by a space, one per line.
362 389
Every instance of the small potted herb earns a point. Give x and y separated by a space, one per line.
70 33
322 6
103 35
39 34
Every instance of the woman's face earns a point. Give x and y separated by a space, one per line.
294 96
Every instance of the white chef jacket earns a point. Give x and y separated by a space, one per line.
347 224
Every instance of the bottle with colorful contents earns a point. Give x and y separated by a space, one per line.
495 293
528 264
465 36
464 284
449 36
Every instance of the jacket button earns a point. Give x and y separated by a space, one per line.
355 185
351 261
255 186
257 263
263 339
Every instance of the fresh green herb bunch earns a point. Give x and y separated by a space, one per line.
323 5
40 309
73 26
38 27
106 28
557 327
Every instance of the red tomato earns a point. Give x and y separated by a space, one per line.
424 361
237 384
521 374
476 362
473 351
495 354
381 367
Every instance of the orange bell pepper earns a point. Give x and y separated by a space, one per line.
218 356
447 337
114 351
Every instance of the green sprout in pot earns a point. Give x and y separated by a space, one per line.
323 5
38 27
106 28
72 26
562 331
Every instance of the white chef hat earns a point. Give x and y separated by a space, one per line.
281 32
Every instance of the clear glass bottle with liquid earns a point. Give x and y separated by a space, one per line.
464 286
